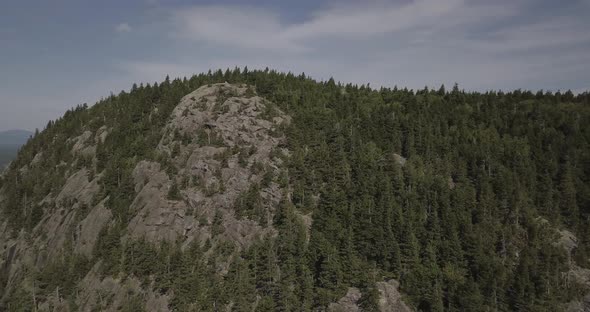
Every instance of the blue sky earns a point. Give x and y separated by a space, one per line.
60 53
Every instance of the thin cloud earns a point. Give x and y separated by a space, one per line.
123 28
257 28
551 33
372 20
482 45
249 28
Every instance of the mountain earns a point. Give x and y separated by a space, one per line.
10 141
14 137
262 191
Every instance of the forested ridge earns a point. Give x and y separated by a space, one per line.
457 195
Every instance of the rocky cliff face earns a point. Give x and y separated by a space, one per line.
232 153
221 143
576 274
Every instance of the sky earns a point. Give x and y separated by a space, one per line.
57 54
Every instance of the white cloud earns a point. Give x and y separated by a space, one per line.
123 28
479 44
372 20
256 28
234 26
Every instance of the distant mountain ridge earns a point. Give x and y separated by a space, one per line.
10 142
14 137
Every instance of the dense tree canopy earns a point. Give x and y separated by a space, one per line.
455 194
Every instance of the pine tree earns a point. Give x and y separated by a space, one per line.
567 201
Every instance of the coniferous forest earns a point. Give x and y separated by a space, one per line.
460 196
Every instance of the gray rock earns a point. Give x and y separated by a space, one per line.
400 159
348 303
576 274
89 228
221 112
390 299
217 139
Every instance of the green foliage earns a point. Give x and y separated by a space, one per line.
63 274
133 303
459 223
250 205
269 111
58 277
174 191
20 300
140 259
369 300
217 224
108 248
243 157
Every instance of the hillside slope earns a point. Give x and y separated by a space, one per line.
264 191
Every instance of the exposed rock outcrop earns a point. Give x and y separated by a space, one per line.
348 303
217 139
68 214
576 274
220 142
389 299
